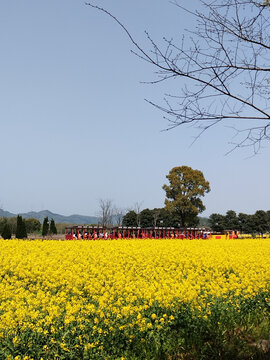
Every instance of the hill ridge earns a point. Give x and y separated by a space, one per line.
58 218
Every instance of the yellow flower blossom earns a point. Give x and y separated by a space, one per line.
89 289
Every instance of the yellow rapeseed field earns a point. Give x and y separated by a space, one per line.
68 297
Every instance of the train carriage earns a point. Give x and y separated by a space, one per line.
88 232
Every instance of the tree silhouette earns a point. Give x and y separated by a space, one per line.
52 229
45 226
21 228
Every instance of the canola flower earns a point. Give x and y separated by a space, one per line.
69 297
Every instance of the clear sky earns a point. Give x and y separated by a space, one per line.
75 126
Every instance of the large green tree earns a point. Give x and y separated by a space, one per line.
184 192
147 218
168 218
261 221
231 220
217 222
130 219
246 223
32 225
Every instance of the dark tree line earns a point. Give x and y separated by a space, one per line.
21 227
18 227
14 226
159 217
245 223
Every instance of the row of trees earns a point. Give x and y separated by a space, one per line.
182 204
20 230
32 225
48 228
157 217
21 227
246 223
251 224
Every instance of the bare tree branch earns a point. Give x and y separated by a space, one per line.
137 208
106 212
223 69
118 215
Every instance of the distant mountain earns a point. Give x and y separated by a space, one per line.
40 215
71 219
6 213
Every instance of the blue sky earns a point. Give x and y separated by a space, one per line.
74 123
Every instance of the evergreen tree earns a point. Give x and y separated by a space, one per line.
130 219
147 218
45 226
53 229
6 232
21 228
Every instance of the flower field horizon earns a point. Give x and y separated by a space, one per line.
134 299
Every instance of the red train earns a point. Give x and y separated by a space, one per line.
124 232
